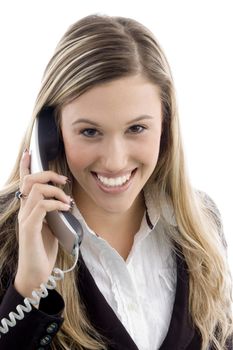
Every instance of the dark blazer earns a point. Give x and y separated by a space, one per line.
38 328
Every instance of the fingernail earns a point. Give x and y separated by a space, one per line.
24 152
72 203
62 177
68 180
67 206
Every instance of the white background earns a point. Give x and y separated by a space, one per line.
197 39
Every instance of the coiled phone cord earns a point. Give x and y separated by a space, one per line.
36 295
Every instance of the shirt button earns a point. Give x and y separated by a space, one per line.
52 328
46 340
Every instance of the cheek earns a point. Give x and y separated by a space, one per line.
78 157
149 150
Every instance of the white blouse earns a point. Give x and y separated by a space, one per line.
140 290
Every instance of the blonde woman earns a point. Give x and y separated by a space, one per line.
152 270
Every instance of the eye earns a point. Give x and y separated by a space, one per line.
89 132
136 129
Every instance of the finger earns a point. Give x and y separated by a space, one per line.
42 178
24 165
40 192
49 191
35 219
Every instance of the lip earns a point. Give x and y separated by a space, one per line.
115 189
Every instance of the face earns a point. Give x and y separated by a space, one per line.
111 137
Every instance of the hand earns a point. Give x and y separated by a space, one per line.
38 246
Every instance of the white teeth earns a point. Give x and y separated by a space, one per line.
113 182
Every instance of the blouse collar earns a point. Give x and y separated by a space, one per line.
158 206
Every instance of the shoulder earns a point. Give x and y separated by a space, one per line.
212 208
209 203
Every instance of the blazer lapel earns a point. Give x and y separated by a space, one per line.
181 331
100 313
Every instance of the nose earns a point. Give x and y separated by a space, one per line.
114 155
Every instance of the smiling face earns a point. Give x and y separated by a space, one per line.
111 136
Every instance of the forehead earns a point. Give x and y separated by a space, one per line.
124 97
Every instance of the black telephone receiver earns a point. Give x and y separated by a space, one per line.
44 147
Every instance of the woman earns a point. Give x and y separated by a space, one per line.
152 270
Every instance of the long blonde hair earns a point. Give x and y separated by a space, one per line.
95 50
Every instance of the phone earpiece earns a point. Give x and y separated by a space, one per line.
48 136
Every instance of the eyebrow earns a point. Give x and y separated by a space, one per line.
88 121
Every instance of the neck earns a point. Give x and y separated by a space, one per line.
118 229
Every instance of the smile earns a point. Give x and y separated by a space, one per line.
114 182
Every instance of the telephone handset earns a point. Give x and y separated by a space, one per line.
44 147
